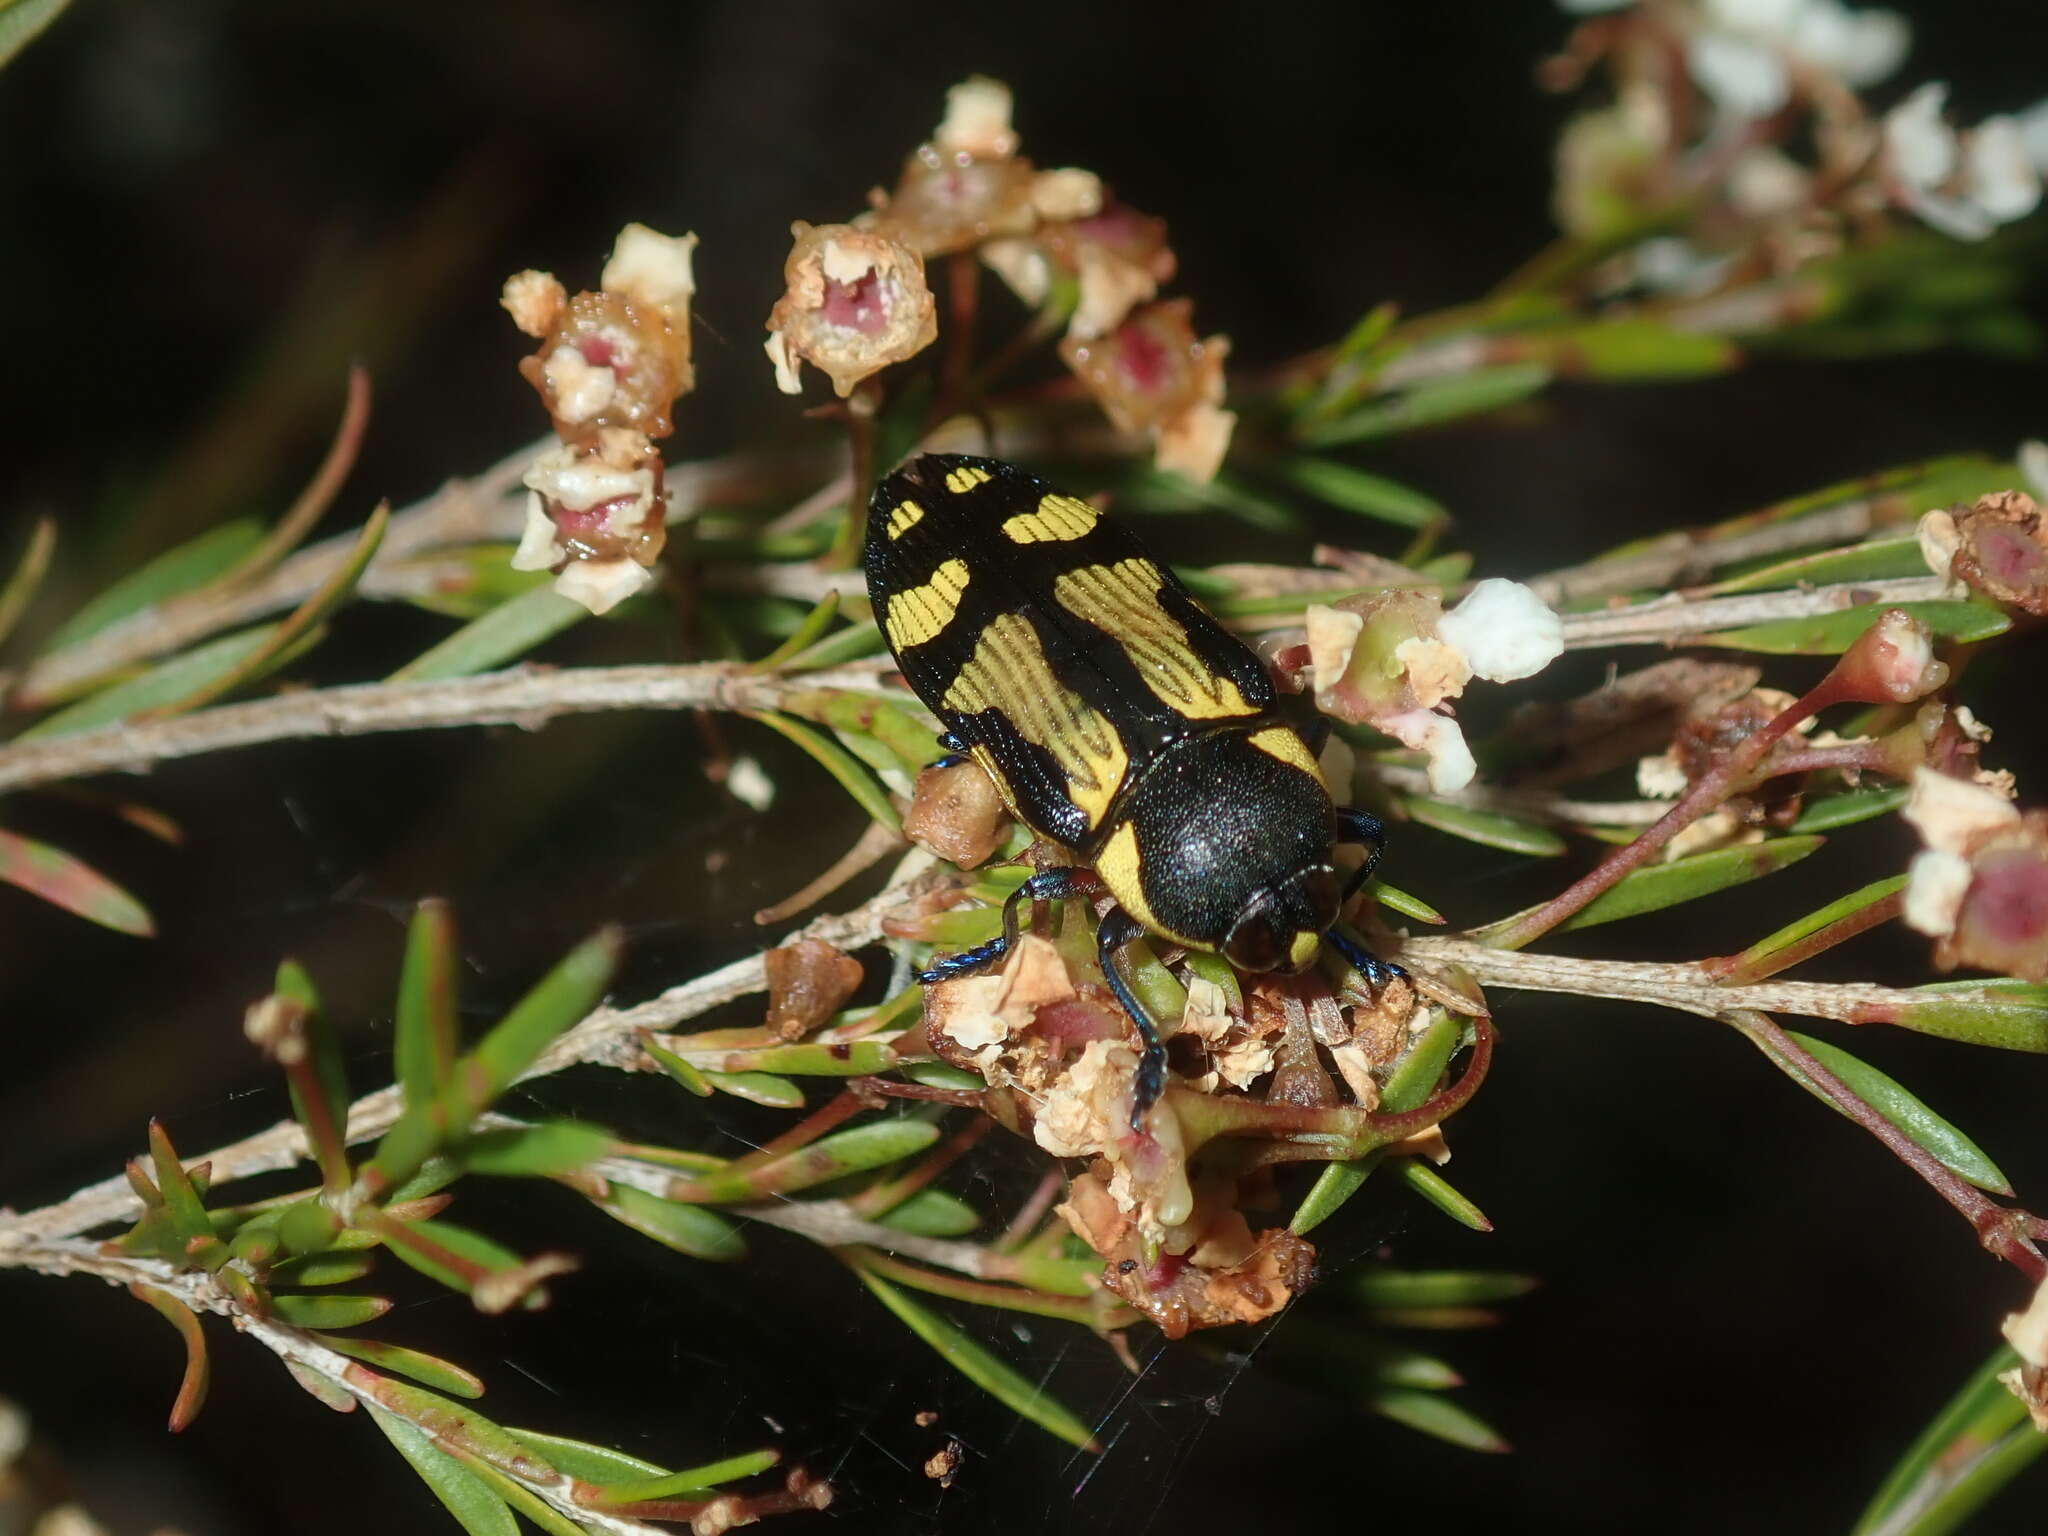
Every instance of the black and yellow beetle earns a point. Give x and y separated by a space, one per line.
1118 720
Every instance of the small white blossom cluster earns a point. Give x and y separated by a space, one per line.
1967 183
1392 661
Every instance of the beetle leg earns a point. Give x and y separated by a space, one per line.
1046 885
1367 830
954 751
1377 972
1118 929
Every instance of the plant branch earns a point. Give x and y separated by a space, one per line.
296 1347
607 1037
525 696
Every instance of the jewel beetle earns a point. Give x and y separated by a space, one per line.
1119 720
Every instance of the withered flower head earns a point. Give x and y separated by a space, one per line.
1152 374
597 516
1980 886
856 301
1997 546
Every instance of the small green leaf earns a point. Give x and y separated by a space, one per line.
688 1229
299 628
176 678
675 1066
500 635
27 579
1466 394
1829 634
1374 496
933 1213
1407 1087
1967 1452
758 1088
1876 560
329 1077
857 642
198 1371
465 1495
939 1074
729 1469
1400 901
445 1252
1489 829
189 565
1437 1416
689 1485
561 999
66 881
844 767
322 1269
1848 808
1624 349
2011 1015
579 1458
424 1033
859 1058
1813 922
329 1311
430 1369
1700 874
535 1151
182 1204
1932 1134
1381 1285
855 1150
970 1359
805 635
1445 1196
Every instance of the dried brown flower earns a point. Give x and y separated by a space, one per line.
957 813
856 301
1997 546
808 981
1151 374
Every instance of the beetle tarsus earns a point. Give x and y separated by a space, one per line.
1118 929
1377 972
1046 885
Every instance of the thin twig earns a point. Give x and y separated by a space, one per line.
607 1036
524 696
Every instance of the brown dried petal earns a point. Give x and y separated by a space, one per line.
611 361
952 200
808 981
957 813
2000 551
856 301
1180 1297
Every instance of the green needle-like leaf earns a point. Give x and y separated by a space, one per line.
689 1229
758 1088
1700 874
177 678
1435 1415
66 881
435 1372
1392 896
581 1459
563 997
1848 808
1381 1285
192 1387
27 579
933 1213
2012 1015
1813 922
425 1033
1829 634
465 1495
1374 496
1626 349
1441 1193
189 565
329 1311
1877 560
1407 1087
500 635
1489 829
1024 1398
856 1150
442 1251
182 1204
1468 394
805 635
844 767
536 1151
1967 1452
1929 1131
322 1269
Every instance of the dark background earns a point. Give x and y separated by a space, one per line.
1747 1308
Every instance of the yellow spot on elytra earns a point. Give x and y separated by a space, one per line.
918 614
1122 600
1056 520
1118 862
965 479
1278 741
902 518
1303 949
1009 673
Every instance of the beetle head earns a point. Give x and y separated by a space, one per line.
1282 927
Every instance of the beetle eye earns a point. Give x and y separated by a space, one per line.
1254 945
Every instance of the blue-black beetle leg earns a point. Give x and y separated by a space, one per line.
1118 929
1370 833
1377 972
953 748
1046 885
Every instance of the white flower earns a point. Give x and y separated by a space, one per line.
1964 185
1505 630
1451 766
2033 459
1950 814
1744 55
2034 134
